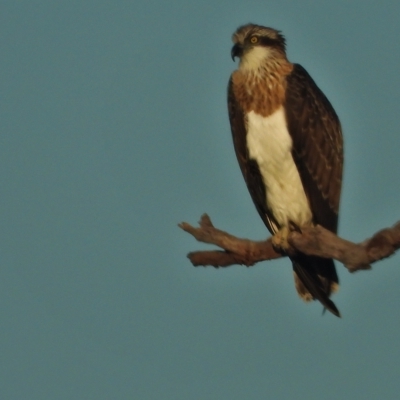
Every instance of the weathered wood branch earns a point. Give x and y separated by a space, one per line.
315 241
237 251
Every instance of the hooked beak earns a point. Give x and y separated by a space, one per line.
237 51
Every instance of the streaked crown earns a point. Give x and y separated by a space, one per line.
251 35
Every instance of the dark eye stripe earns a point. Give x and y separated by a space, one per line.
266 41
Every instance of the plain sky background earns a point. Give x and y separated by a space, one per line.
113 130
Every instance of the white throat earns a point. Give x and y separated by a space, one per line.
253 59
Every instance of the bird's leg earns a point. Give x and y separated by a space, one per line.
294 227
280 240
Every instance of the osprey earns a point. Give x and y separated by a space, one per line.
289 145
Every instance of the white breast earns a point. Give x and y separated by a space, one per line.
270 144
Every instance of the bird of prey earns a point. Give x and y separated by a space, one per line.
289 145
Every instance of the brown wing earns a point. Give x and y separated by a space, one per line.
317 145
249 168
318 153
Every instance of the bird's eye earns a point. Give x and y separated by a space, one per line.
254 39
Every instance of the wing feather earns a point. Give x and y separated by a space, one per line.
317 145
318 153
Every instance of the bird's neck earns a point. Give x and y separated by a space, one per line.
261 88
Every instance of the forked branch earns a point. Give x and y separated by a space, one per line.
315 241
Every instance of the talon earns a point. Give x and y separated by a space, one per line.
279 240
294 227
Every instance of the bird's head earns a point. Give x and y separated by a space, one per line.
255 44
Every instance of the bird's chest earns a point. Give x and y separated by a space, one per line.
261 92
270 145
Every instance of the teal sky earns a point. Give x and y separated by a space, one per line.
114 129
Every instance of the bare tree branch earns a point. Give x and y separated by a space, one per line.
237 251
315 241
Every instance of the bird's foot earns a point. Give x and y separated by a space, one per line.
280 240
